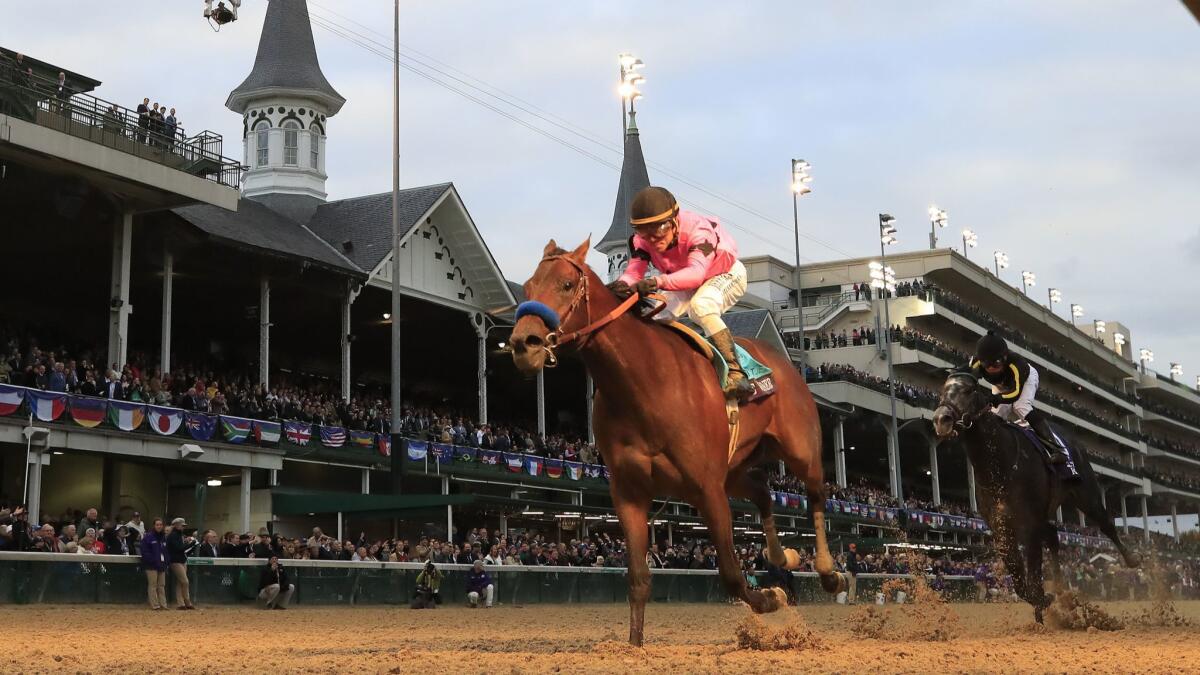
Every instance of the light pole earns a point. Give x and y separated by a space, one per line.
628 87
937 218
1176 371
1001 259
1027 279
970 240
884 279
800 181
1147 356
1055 296
397 234
1076 312
1198 383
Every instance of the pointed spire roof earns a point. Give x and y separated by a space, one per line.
286 62
633 178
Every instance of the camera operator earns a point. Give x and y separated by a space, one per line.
426 594
179 547
20 537
274 589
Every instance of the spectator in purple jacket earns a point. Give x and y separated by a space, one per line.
154 563
479 586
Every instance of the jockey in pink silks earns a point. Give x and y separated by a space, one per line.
697 271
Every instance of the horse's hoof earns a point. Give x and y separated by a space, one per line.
773 599
834 583
791 559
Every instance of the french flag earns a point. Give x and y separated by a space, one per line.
10 398
46 406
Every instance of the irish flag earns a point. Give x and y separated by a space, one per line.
126 416
10 398
88 412
47 406
165 421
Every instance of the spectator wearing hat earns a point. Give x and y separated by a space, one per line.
262 548
135 523
479 586
274 588
154 564
178 548
116 541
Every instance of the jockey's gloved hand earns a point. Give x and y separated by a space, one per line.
620 289
646 286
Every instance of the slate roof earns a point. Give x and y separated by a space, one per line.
517 289
256 226
633 179
366 221
286 62
746 323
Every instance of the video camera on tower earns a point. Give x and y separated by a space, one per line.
221 15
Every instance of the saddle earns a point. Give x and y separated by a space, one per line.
1066 470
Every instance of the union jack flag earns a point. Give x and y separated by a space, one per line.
298 433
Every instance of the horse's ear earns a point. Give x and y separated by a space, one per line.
550 249
580 252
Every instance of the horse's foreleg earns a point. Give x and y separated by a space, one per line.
632 512
715 508
1056 564
800 449
1035 583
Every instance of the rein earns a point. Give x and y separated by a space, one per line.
557 338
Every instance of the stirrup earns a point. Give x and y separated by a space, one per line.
738 387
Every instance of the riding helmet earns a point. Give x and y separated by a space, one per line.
652 205
991 348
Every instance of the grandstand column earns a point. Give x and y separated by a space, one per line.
33 497
339 526
366 481
1145 520
118 325
264 330
347 303
481 375
971 487
839 451
503 525
541 402
244 499
933 472
590 392
167 293
1082 518
1058 514
449 510
1175 521
1124 514
894 465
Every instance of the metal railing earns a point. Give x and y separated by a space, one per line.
35 99
67 578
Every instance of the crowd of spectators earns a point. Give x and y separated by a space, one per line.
857 337
836 372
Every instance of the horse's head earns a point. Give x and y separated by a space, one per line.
960 404
557 302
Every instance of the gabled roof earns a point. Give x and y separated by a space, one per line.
633 179
286 63
256 226
366 222
748 323
517 290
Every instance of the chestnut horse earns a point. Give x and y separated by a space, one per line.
660 423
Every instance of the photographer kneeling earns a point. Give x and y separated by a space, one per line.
274 589
425 596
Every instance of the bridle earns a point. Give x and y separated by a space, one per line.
962 421
557 338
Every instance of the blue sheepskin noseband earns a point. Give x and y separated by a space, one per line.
541 311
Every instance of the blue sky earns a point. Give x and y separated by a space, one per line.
1062 132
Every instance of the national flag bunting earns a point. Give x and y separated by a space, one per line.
125 415
266 433
10 398
298 433
236 429
362 439
443 453
591 470
383 443
533 465
165 421
200 426
333 437
514 462
47 406
464 454
490 457
418 450
574 470
88 412
554 468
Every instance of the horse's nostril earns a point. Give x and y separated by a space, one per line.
534 341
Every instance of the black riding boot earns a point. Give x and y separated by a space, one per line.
1056 450
736 384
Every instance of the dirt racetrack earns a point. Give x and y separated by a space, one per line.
574 638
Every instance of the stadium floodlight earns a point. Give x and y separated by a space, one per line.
1175 371
1118 342
800 181
937 218
1099 326
1145 356
1055 295
1198 383
629 86
1027 279
1001 261
1076 312
887 232
882 277
970 240
800 177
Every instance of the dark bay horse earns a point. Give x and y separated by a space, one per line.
660 422
1017 493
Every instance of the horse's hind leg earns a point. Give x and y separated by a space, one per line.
1056 565
1035 584
715 509
1087 499
752 485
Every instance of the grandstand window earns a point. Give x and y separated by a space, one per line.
261 143
314 149
291 142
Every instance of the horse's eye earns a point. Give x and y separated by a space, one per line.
566 285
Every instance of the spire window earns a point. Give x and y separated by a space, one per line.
261 142
291 142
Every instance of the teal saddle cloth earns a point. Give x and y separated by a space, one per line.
750 365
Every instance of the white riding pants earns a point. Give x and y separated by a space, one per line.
706 304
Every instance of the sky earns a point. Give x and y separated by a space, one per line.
1063 133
